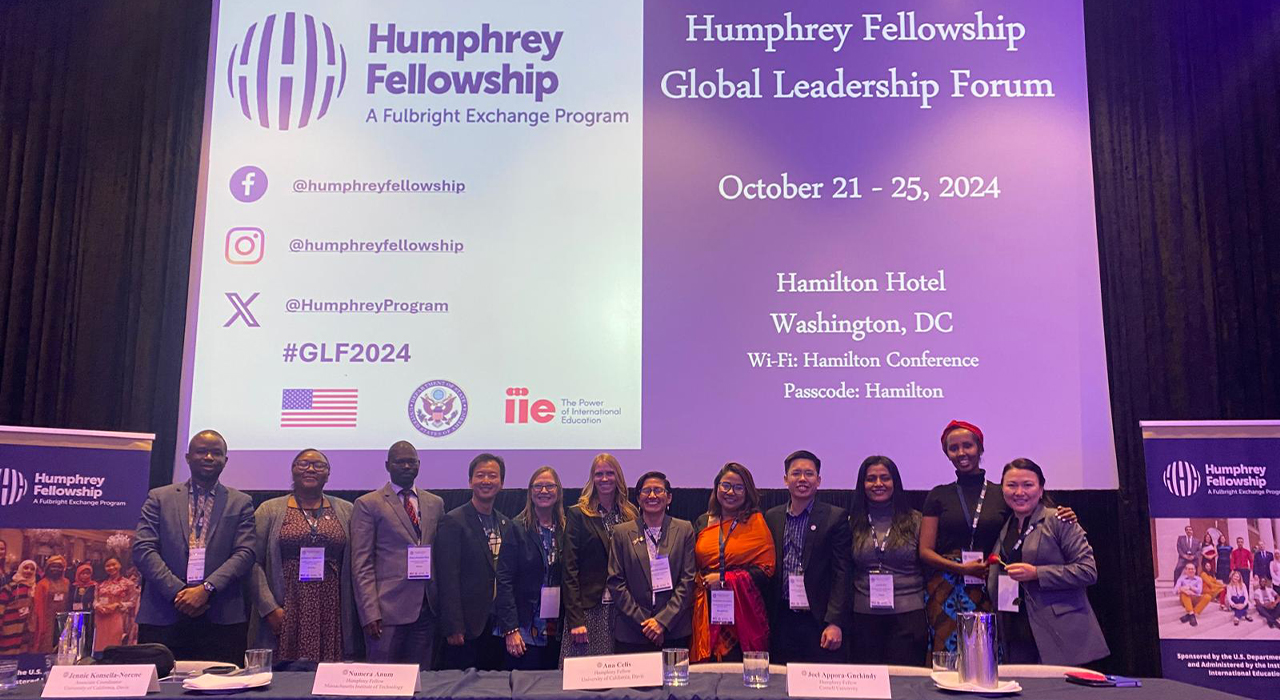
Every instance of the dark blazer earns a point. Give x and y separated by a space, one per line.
630 582
826 560
468 576
160 553
586 565
521 571
1062 622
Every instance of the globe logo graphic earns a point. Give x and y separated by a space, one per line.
13 486
287 71
1182 479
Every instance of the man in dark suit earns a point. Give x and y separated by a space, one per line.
1187 549
393 574
193 547
811 592
468 543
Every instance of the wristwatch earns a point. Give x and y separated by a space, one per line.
209 587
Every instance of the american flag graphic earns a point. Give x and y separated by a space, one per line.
319 408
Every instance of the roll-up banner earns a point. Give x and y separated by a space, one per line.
69 502
1214 489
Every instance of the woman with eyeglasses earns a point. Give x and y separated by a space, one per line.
589 524
735 558
651 571
527 603
302 576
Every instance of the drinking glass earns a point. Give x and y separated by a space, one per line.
8 675
755 669
944 661
675 667
257 661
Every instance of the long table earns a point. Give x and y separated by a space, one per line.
535 685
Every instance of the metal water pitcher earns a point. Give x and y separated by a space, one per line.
72 637
977 649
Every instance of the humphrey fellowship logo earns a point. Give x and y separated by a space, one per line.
54 489
438 408
13 486
1182 479
287 71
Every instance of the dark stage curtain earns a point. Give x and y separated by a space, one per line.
101 108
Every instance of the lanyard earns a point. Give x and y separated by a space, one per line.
1025 531
663 531
724 539
977 513
548 554
876 544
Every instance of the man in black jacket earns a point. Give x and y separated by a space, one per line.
812 588
467 547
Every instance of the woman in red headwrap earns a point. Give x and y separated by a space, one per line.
961 522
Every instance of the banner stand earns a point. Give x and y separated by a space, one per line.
1214 492
69 503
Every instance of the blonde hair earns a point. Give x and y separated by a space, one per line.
589 501
529 516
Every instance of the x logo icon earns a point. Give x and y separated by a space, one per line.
241 306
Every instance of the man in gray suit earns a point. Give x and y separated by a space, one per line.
1187 548
193 547
393 572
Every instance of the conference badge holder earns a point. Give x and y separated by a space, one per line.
721 607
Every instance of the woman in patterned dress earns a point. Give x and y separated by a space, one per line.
302 575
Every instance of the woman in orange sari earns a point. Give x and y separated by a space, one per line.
735 558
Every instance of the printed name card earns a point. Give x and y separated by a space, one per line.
616 671
124 681
837 681
367 679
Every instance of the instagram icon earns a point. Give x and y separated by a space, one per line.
245 245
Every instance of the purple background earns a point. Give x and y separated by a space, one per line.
126 472
1222 451
1022 271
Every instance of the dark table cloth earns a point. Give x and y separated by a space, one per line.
545 685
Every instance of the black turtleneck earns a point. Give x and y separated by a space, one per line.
943 503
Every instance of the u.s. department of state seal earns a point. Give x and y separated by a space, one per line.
437 408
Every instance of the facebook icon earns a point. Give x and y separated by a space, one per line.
248 184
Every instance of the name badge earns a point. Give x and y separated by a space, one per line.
549 606
195 565
660 574
77 607
59 597
311 564
965 558
881 591
721 607
419 563
799 596
1006 594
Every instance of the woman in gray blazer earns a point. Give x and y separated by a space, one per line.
301 579
1045 566
651 571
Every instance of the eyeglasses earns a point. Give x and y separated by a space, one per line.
311 466
544 488
653 491
727 487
